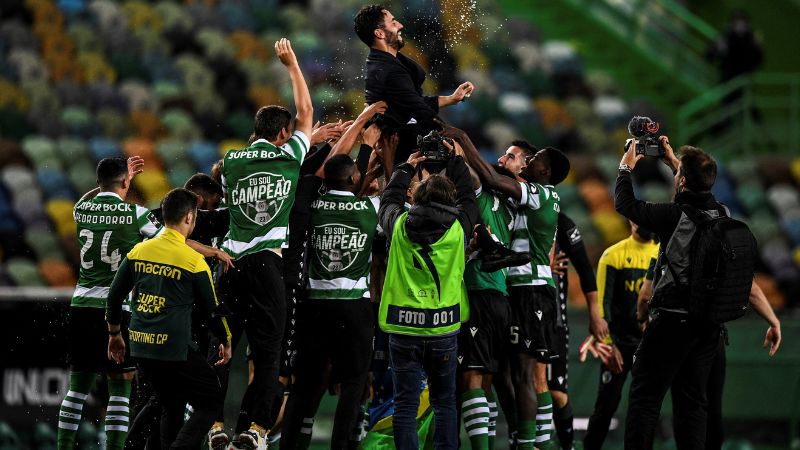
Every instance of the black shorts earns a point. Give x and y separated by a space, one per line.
485 339
339 331
88 341
534 315
558 369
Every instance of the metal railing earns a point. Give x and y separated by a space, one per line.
671 35
748 115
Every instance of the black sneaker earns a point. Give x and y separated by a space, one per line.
499 257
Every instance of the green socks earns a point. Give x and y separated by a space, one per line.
475 413
118 413
491 400
544 419
526 434
69 417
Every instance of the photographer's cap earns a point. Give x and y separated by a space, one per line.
559 165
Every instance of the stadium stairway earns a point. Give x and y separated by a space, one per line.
652 48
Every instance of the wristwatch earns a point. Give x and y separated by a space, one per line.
623 166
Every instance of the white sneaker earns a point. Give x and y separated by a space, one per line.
252 440
217 439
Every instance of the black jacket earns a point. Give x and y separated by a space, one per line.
662 219
398 82
425 224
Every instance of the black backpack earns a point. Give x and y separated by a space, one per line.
722 259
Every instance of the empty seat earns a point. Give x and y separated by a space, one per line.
41 151
44 243
57 273
153 184
54 184
60 212
83 177
144 148
23 272
180 172
204 154
72 150
172 152
101 147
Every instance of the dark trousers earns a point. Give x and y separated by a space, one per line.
340 331
180 382
437 357
145 430
255 293
609 394
715 435
675 352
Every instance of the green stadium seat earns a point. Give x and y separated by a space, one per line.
41 151
173 16
172 151
23 272
743 170
83 177
180 124
72 150
87 436
112 123
77 120
84 38
8 438
43 437
180 172
44 243
216 44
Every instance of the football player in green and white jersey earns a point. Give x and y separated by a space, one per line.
107 228
259 183
531 288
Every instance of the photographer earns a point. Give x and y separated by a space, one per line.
677 349
424 299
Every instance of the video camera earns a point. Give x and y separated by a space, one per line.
432 147
645 130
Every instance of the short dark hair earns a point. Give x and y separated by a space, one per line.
337 169
699 169
111 170
436 188
527 148
368 19
177 204
216 172
203 184
270 120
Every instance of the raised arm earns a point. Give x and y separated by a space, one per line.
394 195
302 98
348 139
485 171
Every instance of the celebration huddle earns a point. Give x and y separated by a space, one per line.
383 261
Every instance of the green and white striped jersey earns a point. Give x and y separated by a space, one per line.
534 232
260 183
342 229
494 212
108 228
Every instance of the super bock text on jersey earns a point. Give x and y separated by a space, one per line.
108 228
260 182
342 229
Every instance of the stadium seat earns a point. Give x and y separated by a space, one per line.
146 124
44 243
8 438
153 184
100 148
8 221
60 212
10 153
113 124
173 16
82 176
204 154
72 150
17 178
611 226
791 226
144 148
180 172
54 184
43 437
231 144
41 151
180 124
172 151
23 272
57 273
77 121
783 198
795 170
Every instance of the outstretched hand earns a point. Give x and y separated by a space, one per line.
283 48
135 166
